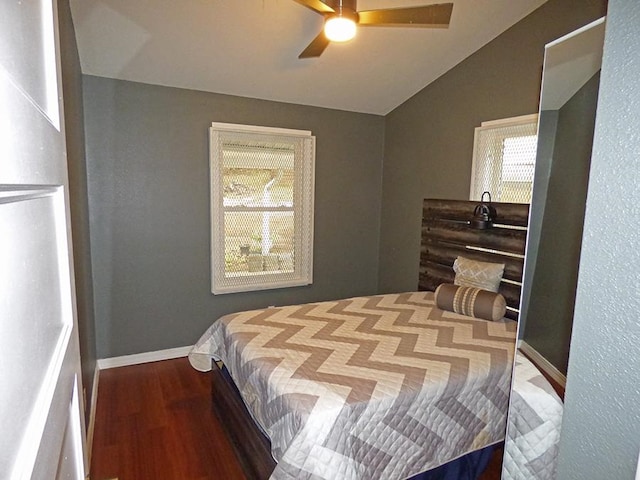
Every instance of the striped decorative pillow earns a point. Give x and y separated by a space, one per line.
470 301
472 273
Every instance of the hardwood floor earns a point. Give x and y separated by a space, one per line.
154 422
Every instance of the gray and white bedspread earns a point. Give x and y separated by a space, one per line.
535 417
380 387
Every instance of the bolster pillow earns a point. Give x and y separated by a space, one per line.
470 301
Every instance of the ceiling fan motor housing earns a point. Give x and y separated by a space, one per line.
342 4
345 9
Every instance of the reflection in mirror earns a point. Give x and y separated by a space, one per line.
565 138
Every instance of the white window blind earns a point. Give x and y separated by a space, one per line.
504 155
262 182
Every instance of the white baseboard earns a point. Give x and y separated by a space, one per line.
92 412
146 357
542 363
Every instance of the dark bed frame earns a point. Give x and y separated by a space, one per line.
446 234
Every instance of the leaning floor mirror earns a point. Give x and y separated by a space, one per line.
565 137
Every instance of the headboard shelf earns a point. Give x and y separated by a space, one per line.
502 239
446 234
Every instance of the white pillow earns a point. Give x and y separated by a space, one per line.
472 273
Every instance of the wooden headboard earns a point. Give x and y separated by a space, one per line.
446 234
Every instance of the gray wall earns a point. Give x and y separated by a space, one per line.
547 127
429 139
147 151
554 279
601 422
74 131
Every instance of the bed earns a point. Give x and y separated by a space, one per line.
384 386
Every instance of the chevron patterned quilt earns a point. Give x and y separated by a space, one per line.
531 449
380 387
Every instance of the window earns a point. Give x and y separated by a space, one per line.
504 155
262 182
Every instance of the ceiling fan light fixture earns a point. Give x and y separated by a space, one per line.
340 28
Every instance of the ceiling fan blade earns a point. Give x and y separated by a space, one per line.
427 16
316 47
316 6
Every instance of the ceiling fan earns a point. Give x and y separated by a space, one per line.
342 16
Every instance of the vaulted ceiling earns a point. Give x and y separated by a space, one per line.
250 48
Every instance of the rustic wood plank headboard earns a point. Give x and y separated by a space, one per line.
446 234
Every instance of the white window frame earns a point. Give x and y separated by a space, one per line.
474 193
303 208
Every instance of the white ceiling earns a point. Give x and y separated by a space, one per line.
250 48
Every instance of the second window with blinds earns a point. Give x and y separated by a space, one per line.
262 182
504 155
